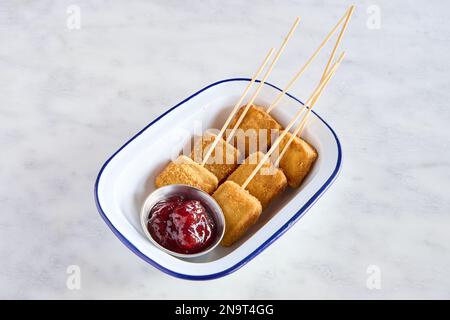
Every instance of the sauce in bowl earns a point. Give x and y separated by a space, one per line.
181 225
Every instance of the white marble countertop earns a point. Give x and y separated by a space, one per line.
70 97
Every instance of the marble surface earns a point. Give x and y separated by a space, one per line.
70 97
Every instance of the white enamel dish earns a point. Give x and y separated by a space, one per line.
127 178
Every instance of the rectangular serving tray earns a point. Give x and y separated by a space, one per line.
127 177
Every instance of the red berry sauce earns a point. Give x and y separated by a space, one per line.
181 225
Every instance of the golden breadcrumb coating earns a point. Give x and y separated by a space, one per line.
297 161
185 171
255 118
223 160
268 183
240 208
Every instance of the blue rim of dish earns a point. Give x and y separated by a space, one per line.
266 243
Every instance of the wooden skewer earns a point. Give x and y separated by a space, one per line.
298 131
338 41
269 70
346 16
316 92
236 107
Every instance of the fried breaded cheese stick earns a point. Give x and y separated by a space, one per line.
268 183
255 118
298 159
184 170
240 208
223 160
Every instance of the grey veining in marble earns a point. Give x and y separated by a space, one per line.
70 97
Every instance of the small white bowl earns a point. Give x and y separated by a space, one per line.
128 176
188 192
